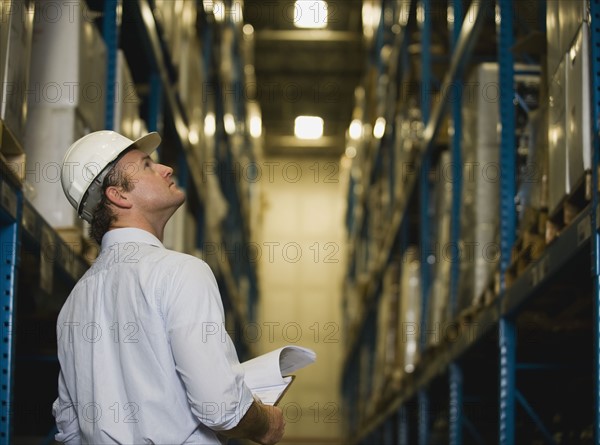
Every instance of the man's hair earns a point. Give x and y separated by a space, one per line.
103 213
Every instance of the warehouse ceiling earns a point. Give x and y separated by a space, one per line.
306 72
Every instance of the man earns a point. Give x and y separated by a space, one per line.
137 365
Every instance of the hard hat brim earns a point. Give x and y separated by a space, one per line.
147 143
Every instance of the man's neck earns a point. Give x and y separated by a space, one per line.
156 227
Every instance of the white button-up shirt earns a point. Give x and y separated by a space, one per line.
143 352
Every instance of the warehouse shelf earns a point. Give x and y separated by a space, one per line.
141 13
574 240
427 404
31 244
38 234
466 41
465 334
10 200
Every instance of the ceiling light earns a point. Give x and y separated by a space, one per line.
379 128
219 10
310 14
308 127
255 126
193 135
210 125
229 123
355 130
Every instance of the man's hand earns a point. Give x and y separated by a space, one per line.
276 425
263 424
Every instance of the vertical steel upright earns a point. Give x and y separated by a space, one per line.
455 374
110 32
424 17
595 78
155 103
507 334
403 426
10 217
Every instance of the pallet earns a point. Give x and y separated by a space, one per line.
570 207
528 248
12 152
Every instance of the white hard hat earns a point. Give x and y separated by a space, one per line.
85 166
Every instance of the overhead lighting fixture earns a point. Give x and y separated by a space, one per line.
255 126
219 10
310 14
356 129
371 16
229 122
308 127
193 135
210 125
379 128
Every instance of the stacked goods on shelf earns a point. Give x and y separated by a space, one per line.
578 137
66 101
480 194
532 193
557 150
365 407
177 22
375 209
387 333
569 126
409 129
352 307
16 32
409 315
355 143
481 175
439 310
191 88
127 120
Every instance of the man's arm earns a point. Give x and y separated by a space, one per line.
65 413
263 424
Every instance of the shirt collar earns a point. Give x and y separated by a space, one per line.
129 235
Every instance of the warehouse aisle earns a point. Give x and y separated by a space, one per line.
301 266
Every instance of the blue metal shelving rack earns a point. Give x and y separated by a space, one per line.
10 214
164 104
507 332
595 79
411 407
21 227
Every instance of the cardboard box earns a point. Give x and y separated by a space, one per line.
578 109
68 64
557 153
571 15
554 52
127 119
192 86
50 132
16 30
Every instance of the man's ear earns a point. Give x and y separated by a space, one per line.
116 196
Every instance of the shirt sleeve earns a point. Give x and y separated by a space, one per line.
204 354
65 415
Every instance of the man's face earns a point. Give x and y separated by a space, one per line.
154 191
